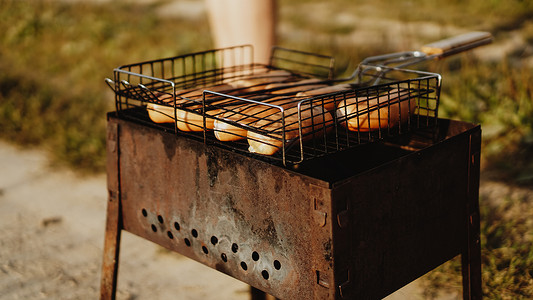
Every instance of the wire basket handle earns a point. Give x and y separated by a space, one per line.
457 44
436 50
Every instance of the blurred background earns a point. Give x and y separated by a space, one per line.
54 56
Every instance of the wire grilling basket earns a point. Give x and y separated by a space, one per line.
292 109
288 111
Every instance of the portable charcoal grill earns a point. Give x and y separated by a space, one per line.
347 214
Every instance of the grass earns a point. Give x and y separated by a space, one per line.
498 96
54 56
507 252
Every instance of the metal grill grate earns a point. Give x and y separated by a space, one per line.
289 111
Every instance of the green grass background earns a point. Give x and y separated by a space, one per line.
54 56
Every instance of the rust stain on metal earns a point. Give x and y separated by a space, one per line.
288 232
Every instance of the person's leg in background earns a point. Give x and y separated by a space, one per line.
240 22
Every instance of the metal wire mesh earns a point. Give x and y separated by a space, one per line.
272 111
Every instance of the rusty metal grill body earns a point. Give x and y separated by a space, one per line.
355 224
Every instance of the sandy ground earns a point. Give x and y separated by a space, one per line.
51 240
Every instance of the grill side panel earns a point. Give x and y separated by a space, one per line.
258 223
402 219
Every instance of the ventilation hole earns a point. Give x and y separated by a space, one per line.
177 226
277 265
194 233
244 266
234 248
160 219
170 235
204 249
265 274
224 257
154 229
187 242
214 240
145 213
255 256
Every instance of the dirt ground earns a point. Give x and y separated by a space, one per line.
51 240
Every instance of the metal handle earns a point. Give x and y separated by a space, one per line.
439 49
458 43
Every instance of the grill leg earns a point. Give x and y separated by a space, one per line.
471 256
256 294
471 262
108 284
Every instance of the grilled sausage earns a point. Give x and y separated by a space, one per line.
376 112
186 120
258 81
327 102
246 115
295 86
314 120
160 113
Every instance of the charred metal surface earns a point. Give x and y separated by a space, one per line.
359 224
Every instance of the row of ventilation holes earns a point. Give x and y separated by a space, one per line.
214 241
